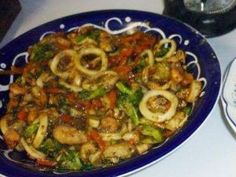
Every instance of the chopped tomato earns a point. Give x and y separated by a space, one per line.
94 135
71 97
12 103
32 66
17 70
96 103
112 95
121 58
139 42
87 105
16 89
46 163
28 67
126 52
66 118
132 142
54 90
22 115
123 71
131 38
62 43
167 133
43 97
188 78
14 70
114 60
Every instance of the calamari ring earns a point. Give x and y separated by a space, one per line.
63 74
169 53
150 56
35 154
158 116
42 130
75 86
93 51
106 79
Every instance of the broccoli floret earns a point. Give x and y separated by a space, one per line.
94 35
42 51
84 94
153 132
80 38
162 52
70 160
97 93
87 166
89 95
187 110
63 104
132 96
140 66
123 88
128 100
31 129
136 97
91 34
131 111
50 147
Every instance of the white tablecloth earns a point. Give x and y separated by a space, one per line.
211 151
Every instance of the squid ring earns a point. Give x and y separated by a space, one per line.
106 79
75 86
150 57
35 154
88 51
42 130
158 116
63 74
171 50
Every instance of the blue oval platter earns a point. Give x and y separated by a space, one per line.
201 61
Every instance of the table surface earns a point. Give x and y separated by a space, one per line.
211 151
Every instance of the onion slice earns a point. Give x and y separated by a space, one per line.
106 79
195 90
91 51
158 116
42 130
3 125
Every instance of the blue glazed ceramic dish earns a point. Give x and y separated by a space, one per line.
201 59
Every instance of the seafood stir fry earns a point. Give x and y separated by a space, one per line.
90 99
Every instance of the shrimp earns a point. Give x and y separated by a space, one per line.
105 42
86 150
176 122
43 78
120 151
12 138
69 135
63 43
179 56
176 75
109 124
131 137
33 114
40 95
17 90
